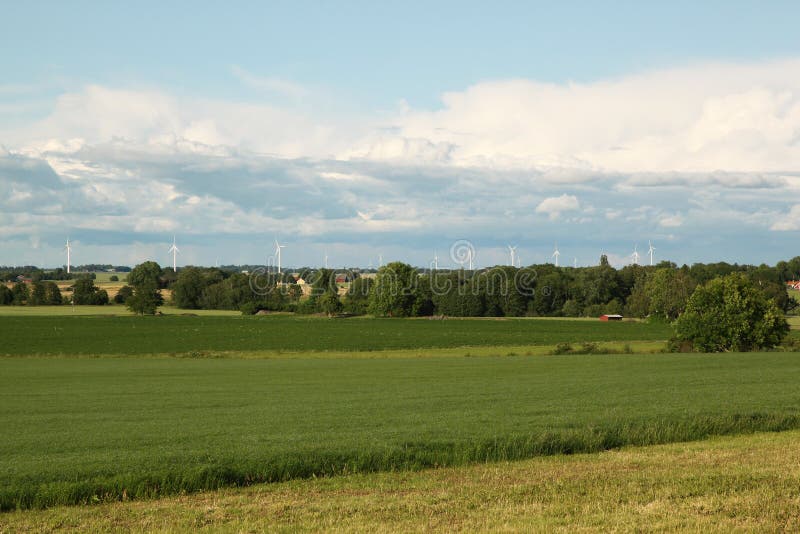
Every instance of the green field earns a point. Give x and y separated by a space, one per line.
88 429
178 334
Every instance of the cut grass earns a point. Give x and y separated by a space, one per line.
744 483
179 334
85 430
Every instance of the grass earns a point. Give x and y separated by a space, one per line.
178 334
91 430
743 483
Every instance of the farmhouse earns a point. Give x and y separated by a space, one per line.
611 317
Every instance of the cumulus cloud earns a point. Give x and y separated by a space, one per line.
555 206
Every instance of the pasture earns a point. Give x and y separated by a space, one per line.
94 429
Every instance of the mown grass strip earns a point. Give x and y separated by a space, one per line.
743 483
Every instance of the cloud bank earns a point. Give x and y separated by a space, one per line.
693 156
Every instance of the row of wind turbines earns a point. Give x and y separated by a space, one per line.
515 261
514 258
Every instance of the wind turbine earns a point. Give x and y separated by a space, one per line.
380 260
435 261
68 248
326 259
174 250
575 262
513 252
556 254
650 251
635 255
278 248
469 254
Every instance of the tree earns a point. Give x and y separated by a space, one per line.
86 293
20 293
668 291
123 295
394 292
6 296
113 278
147 273
329 303
38 294
145 300
187 292
730 314
146 296
53 294
357 298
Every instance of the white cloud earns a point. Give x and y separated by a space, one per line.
554 206
671 221
270 84
788 221
700 118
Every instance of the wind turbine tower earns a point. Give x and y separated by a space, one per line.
650 251
635 255
68 248
174 250
435 261
278 248
513 252
326 259
556 254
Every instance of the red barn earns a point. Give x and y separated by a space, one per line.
611 317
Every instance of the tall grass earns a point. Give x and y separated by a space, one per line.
408 456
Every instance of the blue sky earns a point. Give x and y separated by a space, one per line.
396 129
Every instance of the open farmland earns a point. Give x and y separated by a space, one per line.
88 429
177 334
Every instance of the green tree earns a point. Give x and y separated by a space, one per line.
53 294
123 295
38 294
730 314
668 291
21 293
145 279
84 292
329 303
147 273
6 295
394 292
187 291
357 299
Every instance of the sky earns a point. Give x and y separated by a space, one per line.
399 130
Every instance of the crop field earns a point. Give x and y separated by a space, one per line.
34 335
83 430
